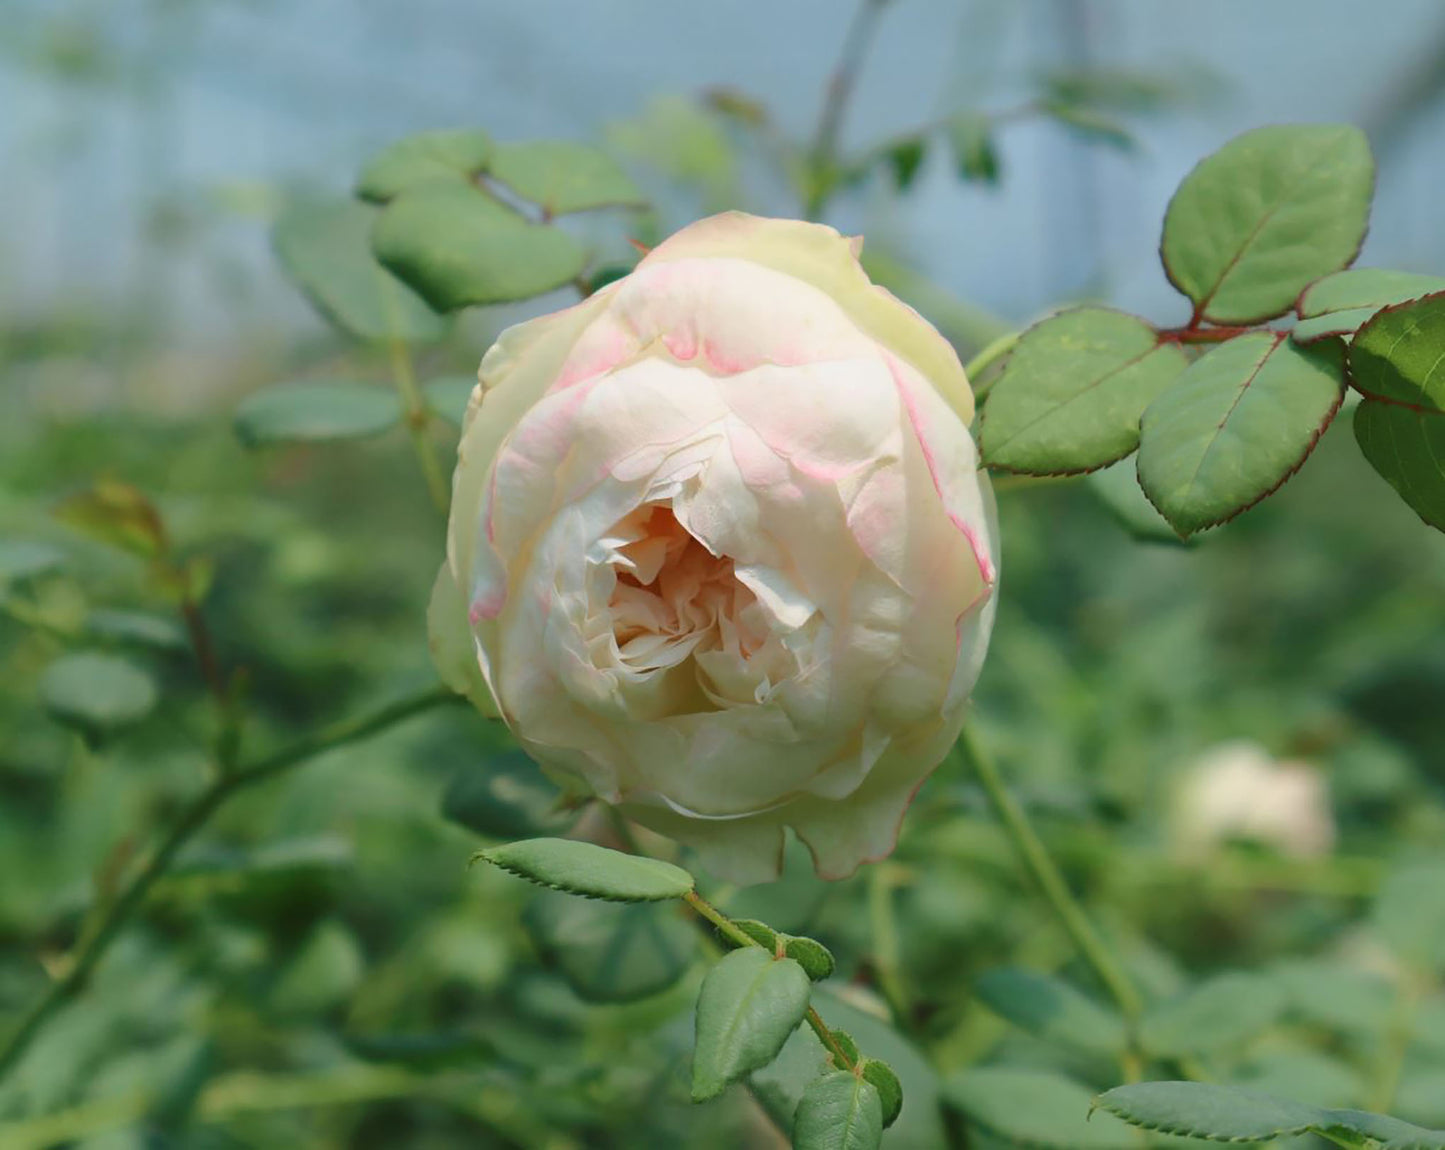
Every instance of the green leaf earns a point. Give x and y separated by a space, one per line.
315 412
1090 124
760 932
1342 998
815 958
890 1090
904 159
1071 395
1407 448
1339 304
457 155
1261 219
138 627
326 250
1381 1132
974 153
589 870
458 247
561 177
839 1112
749 1004
22 559
323 975
1051 1010
1409 913
448 396
1398 355
1204 1110
1034 1108
97 693
506 797
116 514
1117 488
611 952
1238 423
1222 1012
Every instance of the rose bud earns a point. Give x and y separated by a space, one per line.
720 553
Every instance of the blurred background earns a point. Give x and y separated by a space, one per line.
320 970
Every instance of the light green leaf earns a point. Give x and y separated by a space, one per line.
749 1004
1219 1013
839 1112
22 559
1117 488
139 627
890 1090
611 952
315 412
1090 124
563 177
325 249
1204 1110
1339 304
974 153
1272 211
1238 423
457 155
1034 1108
322 976
1342 998
589 870
505 797
1072 392
458 247
1407 448
1051 1010
97 693
1399 355
448 396
1410 913
116 514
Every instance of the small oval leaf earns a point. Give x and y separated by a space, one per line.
458 247
811 955
589 870
1340 304
1262 218
749 1004
1072 392
890 1090
457 155
561 177
1238 423
839 1111
97 693
315 412
137 627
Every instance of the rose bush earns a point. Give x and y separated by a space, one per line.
719 550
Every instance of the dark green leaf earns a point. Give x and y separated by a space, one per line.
1398 355
749 1004
1117 487
457 155
505 797
905 158
1339 304
890 1090
323 975
139 627
1407 448
839 1112
563 177
974 153
459 247
611 952
589 870
760 932
1238 423
1220 1013
326 250
1091 124
97 693
1035 1108
315 412
22 559
448 396
811 955
1204 1110
1072 392
1051 1009
1261 219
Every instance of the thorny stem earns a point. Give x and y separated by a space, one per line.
195 816
417 420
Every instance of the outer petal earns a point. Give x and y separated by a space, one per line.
819 255
453 649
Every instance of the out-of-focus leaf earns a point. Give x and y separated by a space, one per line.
561 177
1261 219
448 396
1051 1009
1410 913
117 514
505 797
97 693
839 1112
457 155
323 975
1090 123
1119 88
586 869
458 247
22 559
315 412
1036 1108
326 250
749 1004
1235 425
1221 1012
905 158
141 628
974 152
1072 393
1117 488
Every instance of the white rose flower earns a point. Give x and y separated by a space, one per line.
720 552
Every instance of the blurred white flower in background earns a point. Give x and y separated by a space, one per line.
1239 791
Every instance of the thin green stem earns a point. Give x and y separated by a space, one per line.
884 929
418 420
991 354
1051 883
195 815
1399 1033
